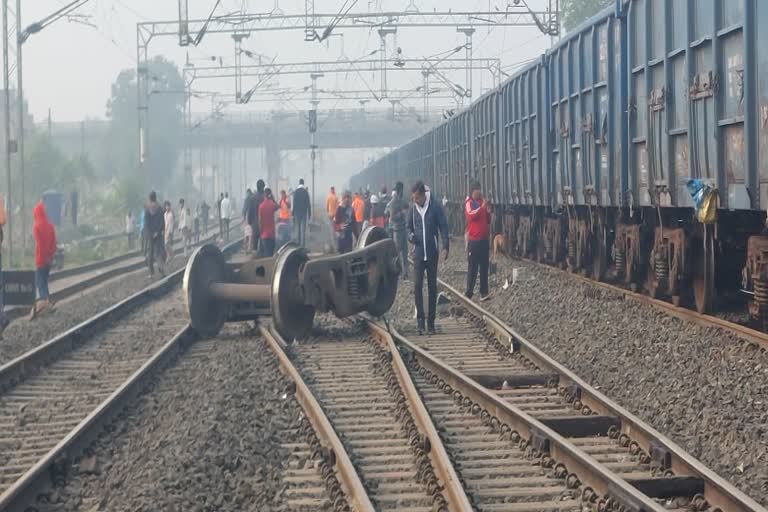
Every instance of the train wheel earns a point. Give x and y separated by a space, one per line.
704 274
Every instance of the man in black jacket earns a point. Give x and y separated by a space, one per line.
426 224
253 214
154 228
302 212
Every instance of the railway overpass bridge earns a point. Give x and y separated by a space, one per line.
274 131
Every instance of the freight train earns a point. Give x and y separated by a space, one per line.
587 154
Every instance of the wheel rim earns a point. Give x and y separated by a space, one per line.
290 316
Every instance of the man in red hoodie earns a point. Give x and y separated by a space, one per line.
45 250
478 217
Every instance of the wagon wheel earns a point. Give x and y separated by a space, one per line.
704 274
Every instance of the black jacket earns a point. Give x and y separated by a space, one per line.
434 226
301 207
154 222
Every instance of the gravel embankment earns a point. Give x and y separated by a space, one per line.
216 431
703 387
24 334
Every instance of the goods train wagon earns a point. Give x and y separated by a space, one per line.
594 152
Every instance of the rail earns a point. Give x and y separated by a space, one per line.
15 372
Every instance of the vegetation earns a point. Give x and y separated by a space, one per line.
576 11
166 111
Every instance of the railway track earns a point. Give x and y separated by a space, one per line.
71 281
513 429
55 398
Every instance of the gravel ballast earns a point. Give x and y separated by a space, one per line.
703 387
24 334
217 431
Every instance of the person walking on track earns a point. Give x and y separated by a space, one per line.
345 224
284 220
358 205
478 217
45 250
398 211
331 204
247 229
267 210
253 215
226 216
154 227
218 214
426 224
185 226
205 212
302 212
169 221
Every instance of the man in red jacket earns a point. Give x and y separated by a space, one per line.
267 210
478 217
45 250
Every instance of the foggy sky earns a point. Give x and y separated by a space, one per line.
69 66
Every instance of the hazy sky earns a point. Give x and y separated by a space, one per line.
69 66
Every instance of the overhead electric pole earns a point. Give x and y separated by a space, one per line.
20 124
7 124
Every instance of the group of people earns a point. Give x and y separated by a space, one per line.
422 223
157 226
269 222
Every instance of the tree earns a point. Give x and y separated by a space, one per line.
165 113
576 11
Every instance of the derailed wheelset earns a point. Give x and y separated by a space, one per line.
291 286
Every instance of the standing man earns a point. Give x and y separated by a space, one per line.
426 222
226 215
253 215
169 221
358 205
205 212
45 250
218 215
154 226
267 210
398 210
302 212
478 218
284 220
345 224
185 226
247 229
331 204
378 211
142 234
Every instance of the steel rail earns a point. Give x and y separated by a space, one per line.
14 312
349 477
24 490
454 490
718 492
589 471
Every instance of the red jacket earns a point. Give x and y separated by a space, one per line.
267 210
45 237
478 220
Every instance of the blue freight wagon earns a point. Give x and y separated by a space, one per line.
592 152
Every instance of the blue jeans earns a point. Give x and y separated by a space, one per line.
41 279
